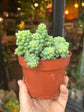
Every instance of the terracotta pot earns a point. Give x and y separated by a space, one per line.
44 81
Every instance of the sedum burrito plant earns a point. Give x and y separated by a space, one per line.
40 45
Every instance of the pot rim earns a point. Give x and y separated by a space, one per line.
43 65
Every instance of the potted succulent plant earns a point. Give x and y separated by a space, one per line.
43 60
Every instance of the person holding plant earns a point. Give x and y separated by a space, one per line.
28 104
48 56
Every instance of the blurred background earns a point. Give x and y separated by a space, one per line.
28 14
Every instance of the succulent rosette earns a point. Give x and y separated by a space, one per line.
40 45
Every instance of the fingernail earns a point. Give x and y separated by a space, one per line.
19 83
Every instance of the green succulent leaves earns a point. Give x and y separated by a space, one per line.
40 45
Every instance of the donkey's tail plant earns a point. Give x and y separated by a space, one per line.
40 45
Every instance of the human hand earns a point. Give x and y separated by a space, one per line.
28 104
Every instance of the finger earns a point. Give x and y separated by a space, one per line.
25 99
66 80
60 104
62 99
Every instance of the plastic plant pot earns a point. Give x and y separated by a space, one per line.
44 80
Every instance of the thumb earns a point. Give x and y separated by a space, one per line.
24 97
62 100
